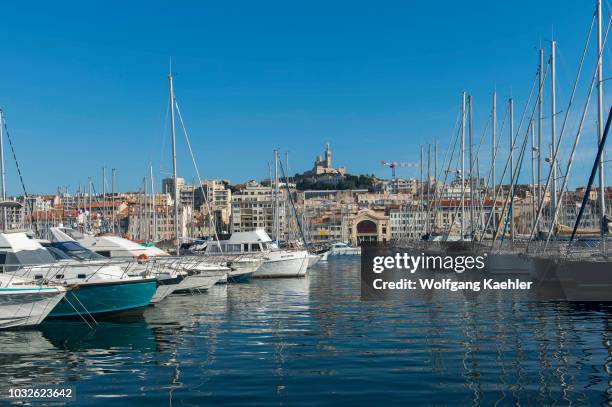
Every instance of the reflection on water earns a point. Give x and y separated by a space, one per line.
313 341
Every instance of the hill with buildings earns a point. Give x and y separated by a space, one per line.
323 176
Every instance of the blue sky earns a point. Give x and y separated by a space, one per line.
83 84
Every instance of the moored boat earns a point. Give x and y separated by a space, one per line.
95 287
174 274
24 303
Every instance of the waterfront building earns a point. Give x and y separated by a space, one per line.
156 223
370 226
406 222
327 221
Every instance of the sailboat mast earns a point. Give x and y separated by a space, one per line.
146 208
276 206
600 125
103 183
493 141
428 187
421 192
90 226
78 205
153 205
174 178
553 124
540 121
533 174
435 165
287 166
2 173
113 172
470 155
286 209
511 187
103 206
463 166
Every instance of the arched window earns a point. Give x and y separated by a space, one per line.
366 226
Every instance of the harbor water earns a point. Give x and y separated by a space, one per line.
313 341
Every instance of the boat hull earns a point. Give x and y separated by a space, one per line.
241 277
243 269
313 259
27 307
283 264
200 281
165 287
574 279
105 298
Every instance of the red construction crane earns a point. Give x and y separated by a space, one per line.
394 164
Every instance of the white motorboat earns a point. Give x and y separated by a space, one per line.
174 274
201 275
276 262
242 264
24 303
284 263
341 249
26 258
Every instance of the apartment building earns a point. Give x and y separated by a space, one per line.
253 208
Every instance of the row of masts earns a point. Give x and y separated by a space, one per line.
467 174
466 138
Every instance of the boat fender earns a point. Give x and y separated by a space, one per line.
142 258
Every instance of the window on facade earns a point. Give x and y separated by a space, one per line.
366 226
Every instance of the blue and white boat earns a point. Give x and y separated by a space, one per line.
96 287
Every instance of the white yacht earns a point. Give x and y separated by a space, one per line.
174 274
24 303
277 262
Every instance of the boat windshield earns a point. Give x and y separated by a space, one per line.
57 253
10 260
75 251
75 234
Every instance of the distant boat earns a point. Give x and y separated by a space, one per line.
341 249
276 262
242 265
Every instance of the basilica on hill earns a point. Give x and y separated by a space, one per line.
323 165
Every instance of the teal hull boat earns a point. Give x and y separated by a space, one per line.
105 298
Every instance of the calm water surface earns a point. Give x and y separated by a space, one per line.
313 341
